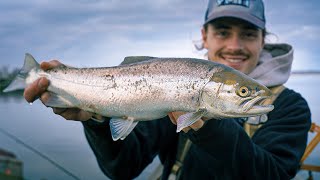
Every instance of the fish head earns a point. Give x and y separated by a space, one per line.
231 94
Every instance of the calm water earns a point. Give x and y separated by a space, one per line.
64 141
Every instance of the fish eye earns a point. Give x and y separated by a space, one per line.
243 91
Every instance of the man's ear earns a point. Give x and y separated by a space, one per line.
204 38
263 40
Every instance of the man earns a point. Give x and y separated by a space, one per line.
233 34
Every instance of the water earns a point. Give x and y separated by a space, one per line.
61 140
64 142
308 86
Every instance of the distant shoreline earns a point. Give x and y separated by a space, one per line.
316 72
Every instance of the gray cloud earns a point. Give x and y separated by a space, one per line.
76 30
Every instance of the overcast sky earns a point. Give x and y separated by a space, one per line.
90 33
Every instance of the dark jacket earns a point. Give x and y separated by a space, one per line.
221 148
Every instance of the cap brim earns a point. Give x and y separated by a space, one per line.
237 14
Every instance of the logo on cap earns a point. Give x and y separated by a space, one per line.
244 3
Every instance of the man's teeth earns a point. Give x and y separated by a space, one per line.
234 60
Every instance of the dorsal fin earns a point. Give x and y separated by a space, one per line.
135 59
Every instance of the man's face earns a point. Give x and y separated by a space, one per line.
233 42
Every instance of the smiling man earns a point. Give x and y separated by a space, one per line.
233 33
233 42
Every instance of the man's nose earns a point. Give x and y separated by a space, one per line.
235 43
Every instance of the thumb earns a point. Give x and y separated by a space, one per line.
49 65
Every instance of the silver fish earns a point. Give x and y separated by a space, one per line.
147 88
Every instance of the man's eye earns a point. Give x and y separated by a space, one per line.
250 35
222 33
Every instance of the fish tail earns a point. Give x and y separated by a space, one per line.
19 81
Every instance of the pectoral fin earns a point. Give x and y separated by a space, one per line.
121 128
188 119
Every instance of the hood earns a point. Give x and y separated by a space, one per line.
274 66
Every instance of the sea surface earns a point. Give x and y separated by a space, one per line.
63 141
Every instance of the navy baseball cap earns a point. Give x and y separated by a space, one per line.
248 10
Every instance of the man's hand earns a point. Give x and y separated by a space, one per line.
38 89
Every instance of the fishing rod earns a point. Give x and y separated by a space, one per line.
19 141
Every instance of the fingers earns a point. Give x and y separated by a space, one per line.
67 113
45 96
98 117
186 129
73 114
59 111
38 89
49 65
34 90
174 116
197 125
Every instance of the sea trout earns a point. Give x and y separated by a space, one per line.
148 88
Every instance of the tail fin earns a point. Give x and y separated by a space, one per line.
19 81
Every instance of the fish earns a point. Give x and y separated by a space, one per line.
145 88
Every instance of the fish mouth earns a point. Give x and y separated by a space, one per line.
253 106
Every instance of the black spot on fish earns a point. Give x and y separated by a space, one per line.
145 67
210 68
108 76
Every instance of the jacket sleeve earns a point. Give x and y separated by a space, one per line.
275 150
126 159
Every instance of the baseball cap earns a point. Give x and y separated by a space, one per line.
248 10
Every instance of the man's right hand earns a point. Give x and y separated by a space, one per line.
38 89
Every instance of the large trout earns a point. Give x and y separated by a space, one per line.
148 88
